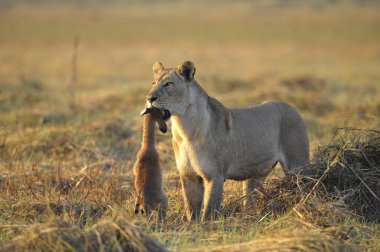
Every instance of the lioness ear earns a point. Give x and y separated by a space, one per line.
158 70
186 70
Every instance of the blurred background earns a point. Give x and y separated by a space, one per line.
323 57
87 64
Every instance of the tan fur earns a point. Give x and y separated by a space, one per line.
213 143
148 172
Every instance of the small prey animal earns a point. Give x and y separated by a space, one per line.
147 169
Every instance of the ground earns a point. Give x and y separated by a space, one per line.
73 78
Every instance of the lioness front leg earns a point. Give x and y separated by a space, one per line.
213 198
192 190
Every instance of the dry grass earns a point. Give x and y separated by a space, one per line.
110 235
352 162
319 199
346 171
73 168
309 241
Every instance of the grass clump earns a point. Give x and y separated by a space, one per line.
347 170
115 234
336 195
293 241
350 169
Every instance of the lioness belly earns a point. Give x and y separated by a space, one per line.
250 170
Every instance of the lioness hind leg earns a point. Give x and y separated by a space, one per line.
249 187
294 146
192 190
292 161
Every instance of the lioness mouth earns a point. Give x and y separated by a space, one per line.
166 114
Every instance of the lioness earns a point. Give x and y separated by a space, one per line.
213 143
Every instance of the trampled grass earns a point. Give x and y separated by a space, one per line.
60 165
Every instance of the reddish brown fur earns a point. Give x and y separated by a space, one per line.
148 172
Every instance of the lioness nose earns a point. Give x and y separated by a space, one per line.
151 99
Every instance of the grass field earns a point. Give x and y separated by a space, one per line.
69 123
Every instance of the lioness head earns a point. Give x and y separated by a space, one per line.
171 88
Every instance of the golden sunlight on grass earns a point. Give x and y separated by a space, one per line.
66 181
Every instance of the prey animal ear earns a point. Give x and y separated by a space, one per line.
162 125
146 111
158 70
186 70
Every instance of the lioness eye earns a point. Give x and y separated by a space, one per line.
167 84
